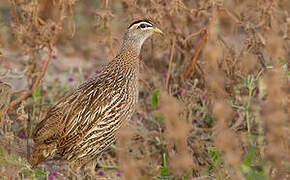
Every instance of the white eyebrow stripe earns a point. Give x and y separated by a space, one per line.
150 25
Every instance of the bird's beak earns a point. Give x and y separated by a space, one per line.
157 30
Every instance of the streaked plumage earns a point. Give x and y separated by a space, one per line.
83 123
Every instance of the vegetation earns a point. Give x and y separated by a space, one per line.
214 90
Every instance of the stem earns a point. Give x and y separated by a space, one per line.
248 109
248 122
170 63
238 107
164 160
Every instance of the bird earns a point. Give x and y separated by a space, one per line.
83 123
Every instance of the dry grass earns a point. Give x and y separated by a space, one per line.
214 95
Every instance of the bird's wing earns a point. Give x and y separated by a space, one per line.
65 115
96 97
52 125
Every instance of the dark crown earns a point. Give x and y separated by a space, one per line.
143 20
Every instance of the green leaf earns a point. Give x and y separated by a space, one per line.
212 151
155 98
36 93
249 170
164 171
249 158
184 178
14 158
210 169
38 173
2 153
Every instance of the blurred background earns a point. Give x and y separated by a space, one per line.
214 89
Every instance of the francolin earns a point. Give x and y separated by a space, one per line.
84 122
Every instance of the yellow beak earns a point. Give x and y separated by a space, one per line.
157 30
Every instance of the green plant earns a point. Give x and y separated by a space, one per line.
164 169
18 165
155 98
216 163
36 94
250 82
251 168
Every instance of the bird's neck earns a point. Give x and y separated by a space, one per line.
131 45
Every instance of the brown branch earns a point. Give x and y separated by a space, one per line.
18 91
146 85
191 67
232 16
194 34
30 92
43 71
170 62
12 2
18 100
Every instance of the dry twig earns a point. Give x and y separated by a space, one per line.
146 85
16 19
18 92
170 63
191 67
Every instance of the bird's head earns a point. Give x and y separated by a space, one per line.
138 32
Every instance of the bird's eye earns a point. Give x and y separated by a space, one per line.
142 25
